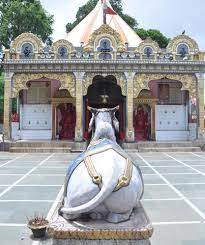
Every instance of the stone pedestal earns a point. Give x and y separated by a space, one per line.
136 231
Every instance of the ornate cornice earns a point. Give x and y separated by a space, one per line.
20 81
111 66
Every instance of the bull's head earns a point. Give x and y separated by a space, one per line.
111 111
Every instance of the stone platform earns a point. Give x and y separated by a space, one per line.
137 230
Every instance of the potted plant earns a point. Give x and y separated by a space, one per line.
38 225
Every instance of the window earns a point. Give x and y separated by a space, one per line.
182 50
164 93
38 93
148 51
62 52
27 50
105 45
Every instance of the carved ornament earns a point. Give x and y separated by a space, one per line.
141 81
148 42
67 81
24 38
105 31
62 42
191 43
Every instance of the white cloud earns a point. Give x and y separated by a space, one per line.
169 16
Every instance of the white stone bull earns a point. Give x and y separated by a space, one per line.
103 182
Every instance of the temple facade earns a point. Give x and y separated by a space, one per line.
104 64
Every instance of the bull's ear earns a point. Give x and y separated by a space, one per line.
91 109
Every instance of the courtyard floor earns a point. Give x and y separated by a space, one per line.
174 197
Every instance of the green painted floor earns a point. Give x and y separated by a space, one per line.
174 196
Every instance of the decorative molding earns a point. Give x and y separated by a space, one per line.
67 81
141 81
192 44
121 81
102 32
23 38
148 42
62 42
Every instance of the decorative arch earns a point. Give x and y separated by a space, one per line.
121 81
62 42
191 43
67 81
141 81
148 42
26 38
105 31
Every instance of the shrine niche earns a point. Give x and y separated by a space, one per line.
66 120
144 116
142 122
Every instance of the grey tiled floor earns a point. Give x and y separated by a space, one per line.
174 196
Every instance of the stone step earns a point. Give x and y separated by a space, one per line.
68 144
40 150
159 145
169 149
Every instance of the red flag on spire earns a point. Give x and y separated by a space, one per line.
108 10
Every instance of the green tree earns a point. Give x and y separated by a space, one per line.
84 10
156 35
18 16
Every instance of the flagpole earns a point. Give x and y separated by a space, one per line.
104 12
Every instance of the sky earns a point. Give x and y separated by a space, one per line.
171 17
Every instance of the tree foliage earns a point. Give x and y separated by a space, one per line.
84 10
155 35
18 16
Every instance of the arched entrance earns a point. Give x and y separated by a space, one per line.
105 93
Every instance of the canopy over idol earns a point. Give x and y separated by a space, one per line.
102 182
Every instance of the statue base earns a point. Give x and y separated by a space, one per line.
136 231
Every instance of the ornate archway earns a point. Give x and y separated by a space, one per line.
20 80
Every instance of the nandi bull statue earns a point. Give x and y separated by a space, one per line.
102 182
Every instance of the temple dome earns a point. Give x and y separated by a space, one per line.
94 20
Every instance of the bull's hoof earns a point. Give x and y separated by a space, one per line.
117 218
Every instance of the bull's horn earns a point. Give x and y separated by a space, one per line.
91 109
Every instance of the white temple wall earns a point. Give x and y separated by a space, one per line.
35 121
172 122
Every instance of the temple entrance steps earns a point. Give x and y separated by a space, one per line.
23 146
46 146
152 146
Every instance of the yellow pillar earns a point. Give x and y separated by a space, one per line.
7 105
201 79
79 76
130 136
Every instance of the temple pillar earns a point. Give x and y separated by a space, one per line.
201 80
153 120
130 134
7 105
53 121
79 76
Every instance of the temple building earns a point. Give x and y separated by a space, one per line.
102 62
